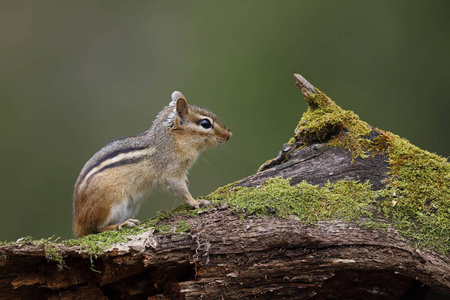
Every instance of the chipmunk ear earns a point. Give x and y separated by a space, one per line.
181 105
175 96
179 110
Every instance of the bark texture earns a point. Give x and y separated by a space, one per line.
224 256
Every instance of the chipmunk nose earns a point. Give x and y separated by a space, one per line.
229 135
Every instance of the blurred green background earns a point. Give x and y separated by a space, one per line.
76 74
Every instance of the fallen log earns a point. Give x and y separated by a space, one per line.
344 211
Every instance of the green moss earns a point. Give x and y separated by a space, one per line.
94 244
416 199
347 200
291 141
173 228
417 204
418 193
182 226
324 121
51 246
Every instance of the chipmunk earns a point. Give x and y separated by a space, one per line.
115 181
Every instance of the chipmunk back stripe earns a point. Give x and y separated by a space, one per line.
109 156
122 162
116 161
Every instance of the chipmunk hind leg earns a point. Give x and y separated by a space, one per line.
122 213
86 214
81 230
128 223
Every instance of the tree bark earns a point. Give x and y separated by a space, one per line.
225 256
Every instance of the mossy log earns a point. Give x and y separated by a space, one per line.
345 211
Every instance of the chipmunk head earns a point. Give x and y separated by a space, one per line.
196 127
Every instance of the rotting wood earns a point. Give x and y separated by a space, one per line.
224 256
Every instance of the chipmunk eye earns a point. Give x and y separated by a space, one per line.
205 123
